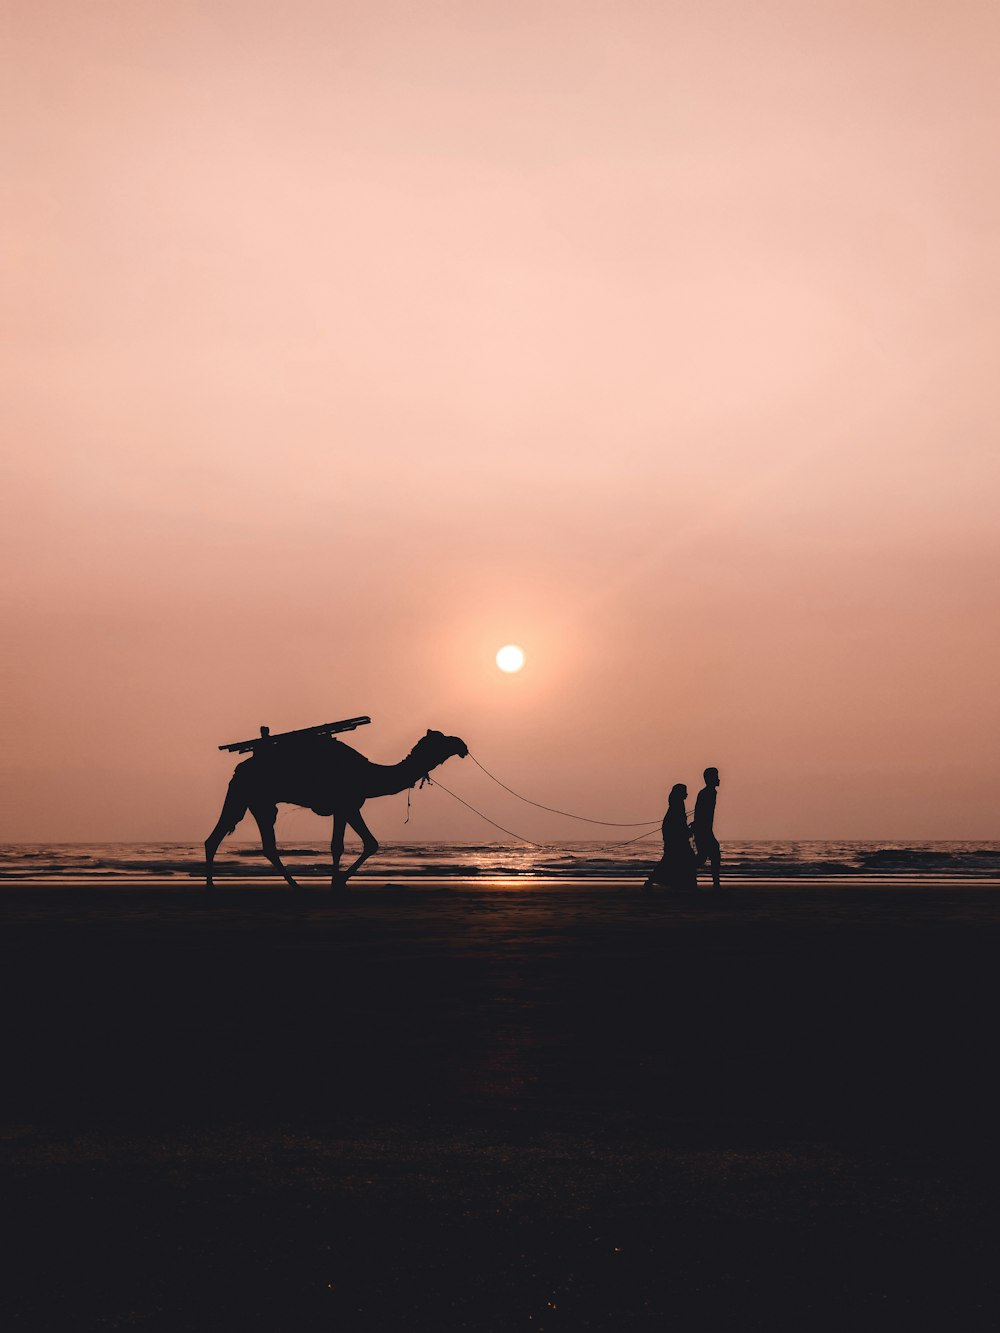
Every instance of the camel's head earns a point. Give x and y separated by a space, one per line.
435 748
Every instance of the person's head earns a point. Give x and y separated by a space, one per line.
711 777
678 794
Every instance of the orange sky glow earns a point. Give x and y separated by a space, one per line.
345 343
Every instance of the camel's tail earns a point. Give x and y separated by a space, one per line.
234 807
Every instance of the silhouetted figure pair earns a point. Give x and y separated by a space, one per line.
679 865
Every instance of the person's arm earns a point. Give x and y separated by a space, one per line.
699 811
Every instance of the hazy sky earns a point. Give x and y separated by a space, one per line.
343 343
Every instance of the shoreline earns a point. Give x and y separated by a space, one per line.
511 880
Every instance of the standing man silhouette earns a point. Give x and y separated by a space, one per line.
705 841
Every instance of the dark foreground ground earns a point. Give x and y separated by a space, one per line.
555 1108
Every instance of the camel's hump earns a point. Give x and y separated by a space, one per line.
309 753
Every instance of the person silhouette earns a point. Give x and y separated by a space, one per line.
676 868
706 843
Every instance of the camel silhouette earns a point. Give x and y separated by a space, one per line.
328 777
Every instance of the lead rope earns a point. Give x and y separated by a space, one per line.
545 847
610 823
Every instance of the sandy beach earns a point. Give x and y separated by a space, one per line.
521 1105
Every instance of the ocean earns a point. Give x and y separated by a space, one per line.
743 861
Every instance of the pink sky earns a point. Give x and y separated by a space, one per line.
344 343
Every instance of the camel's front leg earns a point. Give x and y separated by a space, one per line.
265 817
369 846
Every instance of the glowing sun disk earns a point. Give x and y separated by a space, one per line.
510 658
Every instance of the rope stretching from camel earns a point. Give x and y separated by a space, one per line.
611 823
545 847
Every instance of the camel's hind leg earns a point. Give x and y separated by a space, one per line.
265 816
337 849
233 809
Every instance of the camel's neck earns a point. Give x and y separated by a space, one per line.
388 779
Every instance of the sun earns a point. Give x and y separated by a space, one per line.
510 658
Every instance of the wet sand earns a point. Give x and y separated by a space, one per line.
500 1106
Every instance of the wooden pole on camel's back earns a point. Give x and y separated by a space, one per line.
266 739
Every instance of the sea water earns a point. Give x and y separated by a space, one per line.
840 860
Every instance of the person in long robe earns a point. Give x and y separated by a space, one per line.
676 868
